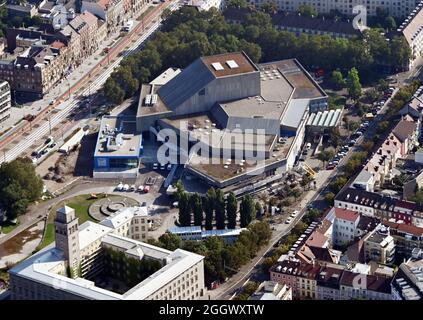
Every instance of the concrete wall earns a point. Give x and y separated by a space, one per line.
222 89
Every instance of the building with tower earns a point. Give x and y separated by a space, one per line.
67 237
107 261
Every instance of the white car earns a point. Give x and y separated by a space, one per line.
141 188
155 166
295 212
288 221
133 188
119 187
126 187
169 167
162 167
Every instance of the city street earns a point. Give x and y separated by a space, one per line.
13 146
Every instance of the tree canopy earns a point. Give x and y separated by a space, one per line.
187 34
19 186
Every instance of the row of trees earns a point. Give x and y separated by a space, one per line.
213 207
352 82
222 259
19 186
187 34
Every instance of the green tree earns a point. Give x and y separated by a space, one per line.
390 23
197 209
329 198
19 186
231 210
113 91
220 210
269 7
337 80
353 84
184 210
170 241
209 207
307 10
238 4
325 156
247 210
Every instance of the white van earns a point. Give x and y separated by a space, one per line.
129 26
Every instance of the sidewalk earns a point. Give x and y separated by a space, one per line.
65 86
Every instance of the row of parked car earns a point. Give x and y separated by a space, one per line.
292 216
162 166
132 188
344 150
379 104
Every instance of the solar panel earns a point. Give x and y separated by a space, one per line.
232 64
217 66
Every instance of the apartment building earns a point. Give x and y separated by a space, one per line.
111 11
412 30
363 286
5 101
396 8
328 283
379 246
298 24
82 251
407 238
344 226
382 206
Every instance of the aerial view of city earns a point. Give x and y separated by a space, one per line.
211 150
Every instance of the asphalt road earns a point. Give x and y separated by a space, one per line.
65 108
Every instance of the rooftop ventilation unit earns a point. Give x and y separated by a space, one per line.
217 66
232 64
153 99
148 99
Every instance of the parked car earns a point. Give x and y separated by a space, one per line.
119 187
146 189
288 221
126 187
155 166
133 188
330 166
169 167
141 188
162 167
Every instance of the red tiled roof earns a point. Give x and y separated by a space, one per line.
57 44
346 214
316 239
89 18
417 231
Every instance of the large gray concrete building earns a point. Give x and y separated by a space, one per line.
219 102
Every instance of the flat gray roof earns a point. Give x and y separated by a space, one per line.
117 137
305 86
148 110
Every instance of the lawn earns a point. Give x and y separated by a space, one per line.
336 102
7 227
80 204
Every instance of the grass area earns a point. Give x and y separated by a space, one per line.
80 204
7 227
336 102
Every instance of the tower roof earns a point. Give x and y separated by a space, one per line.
65 210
